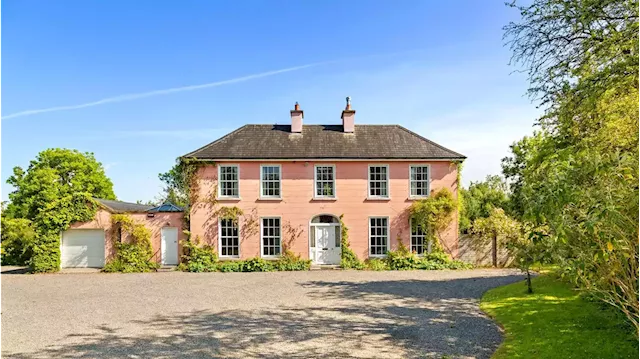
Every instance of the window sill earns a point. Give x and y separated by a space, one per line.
324 199
378 198
271 258
229 199
229 259
416 198
377 256
272 199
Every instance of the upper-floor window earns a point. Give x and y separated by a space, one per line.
228 181
270 176
325 181
271 237
229 239
419 178
378 181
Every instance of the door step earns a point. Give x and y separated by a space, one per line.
167 269
325 267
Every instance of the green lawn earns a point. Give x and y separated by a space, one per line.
555 322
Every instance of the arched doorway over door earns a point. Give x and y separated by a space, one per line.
324 239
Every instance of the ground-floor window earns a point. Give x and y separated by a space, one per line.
270 237
229 238
378 236
418 238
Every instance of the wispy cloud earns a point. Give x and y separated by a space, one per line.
136 96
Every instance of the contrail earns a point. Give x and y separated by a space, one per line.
135 96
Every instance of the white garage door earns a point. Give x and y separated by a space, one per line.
82 248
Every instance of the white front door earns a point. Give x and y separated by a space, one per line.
325 250
169 246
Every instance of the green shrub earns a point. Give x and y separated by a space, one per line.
230 266
402 259
18 237
257 265
375 264
204 259
291 262
132 258
198 258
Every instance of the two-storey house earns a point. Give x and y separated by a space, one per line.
293 182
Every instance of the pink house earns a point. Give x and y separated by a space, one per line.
293 182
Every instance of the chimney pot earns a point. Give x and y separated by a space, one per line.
297 115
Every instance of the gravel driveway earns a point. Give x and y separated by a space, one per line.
335 314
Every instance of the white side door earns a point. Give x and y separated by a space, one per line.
169 246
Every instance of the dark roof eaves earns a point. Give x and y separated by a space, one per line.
190 154
213 159
458 155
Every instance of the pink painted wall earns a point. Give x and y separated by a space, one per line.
102 220
297 206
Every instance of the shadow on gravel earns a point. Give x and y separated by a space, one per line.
385 319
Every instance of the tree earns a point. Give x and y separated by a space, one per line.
176 184
498 228
18 237
56 190
481 198
513 168
580 177
54 174
573 45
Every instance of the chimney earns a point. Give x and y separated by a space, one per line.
296 119
348 118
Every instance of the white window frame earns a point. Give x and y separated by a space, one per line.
369 196
428 179
262 196
315 182
426 247
388 236
262 255
220 240
237 166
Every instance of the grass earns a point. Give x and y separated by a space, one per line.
556 322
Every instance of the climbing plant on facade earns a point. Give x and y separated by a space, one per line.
434 214
348 259
132 240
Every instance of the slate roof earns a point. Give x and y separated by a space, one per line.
323 142
123 207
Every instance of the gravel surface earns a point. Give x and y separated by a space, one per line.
334 314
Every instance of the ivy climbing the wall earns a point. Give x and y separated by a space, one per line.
434 214
134 255
54 219
348 259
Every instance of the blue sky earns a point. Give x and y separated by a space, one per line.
439 69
